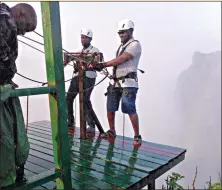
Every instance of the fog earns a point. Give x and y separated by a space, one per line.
169 33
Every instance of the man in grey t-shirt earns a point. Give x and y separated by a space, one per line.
89 82
125 83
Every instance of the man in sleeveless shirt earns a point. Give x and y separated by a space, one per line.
125 85
89 81
14 145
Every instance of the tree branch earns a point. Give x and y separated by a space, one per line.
194 180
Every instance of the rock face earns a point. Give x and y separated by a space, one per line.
198 117
198 91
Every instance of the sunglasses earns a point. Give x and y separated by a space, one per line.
122 32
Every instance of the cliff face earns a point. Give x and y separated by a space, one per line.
198 114
198 91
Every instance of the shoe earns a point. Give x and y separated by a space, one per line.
137 140
109 133
91 129
20 174
72 123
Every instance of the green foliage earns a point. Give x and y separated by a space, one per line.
214 186
172 183
172 180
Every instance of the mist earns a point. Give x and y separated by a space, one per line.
169 34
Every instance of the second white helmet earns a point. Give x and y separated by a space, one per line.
125 24
87 32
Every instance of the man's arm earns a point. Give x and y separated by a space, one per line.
118 60
133 50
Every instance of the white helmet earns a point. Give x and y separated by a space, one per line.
87 32
125 24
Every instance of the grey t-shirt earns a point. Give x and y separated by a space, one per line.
134 48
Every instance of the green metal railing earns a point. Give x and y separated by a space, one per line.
57 103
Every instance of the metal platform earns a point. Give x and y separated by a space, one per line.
101 164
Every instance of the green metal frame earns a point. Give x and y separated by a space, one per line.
57 103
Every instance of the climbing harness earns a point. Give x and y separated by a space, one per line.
111 88
132 75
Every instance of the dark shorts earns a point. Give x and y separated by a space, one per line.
127 97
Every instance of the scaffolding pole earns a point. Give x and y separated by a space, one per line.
57 103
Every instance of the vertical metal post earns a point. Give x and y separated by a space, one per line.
81 104
27 114
151 185
55 77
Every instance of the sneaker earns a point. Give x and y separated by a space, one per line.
90 129
137 140
20 174
72 123
109 133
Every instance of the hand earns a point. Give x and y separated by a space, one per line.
14 85
82 65
97 67
68 59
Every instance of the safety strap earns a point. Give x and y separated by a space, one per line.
123 91
118 54
116 81
87 50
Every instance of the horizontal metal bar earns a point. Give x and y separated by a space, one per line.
33 91
36 180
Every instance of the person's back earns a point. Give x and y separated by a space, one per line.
8 45
14 145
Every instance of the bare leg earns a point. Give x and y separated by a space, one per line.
111 120
113 99
135 123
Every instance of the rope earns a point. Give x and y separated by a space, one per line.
105 71
37 43
37 33
75 109
88 87
43 83
123 128
43 37
31 46
33 40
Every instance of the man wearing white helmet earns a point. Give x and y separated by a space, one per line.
90 79
125 83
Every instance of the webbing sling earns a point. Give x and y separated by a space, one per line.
116 80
